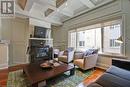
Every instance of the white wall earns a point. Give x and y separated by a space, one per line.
16 31
3 55
126 25
117 9
41 23
0 27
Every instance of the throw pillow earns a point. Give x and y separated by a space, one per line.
91 51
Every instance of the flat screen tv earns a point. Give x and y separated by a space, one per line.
40 32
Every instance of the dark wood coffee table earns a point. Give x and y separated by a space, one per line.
35 74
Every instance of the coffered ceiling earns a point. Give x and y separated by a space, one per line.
56 11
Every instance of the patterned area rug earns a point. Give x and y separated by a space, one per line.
18 79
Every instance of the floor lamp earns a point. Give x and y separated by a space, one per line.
119 40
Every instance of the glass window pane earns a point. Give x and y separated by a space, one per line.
72 39
80 40
110 34
89 39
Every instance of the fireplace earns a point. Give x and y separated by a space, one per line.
39 49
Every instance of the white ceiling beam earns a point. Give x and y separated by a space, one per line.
88 3
65 11
37 22
54 20
49 2
19 11
68 12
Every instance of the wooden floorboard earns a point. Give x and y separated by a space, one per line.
93 77
4 75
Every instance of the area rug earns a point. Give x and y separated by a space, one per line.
18 79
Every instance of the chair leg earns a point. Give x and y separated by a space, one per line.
74 66
93 68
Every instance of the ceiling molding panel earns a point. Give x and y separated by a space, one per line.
60 2
22 3
88 3
48 12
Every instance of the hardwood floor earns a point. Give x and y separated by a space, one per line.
95 75
4 75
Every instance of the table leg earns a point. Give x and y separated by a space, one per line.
34 85
72 71
23 72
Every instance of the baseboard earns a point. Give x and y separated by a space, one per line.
17 63
3 66
102 66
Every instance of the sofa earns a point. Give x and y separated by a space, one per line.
118 75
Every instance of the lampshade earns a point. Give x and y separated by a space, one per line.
119 40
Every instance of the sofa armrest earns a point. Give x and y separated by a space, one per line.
121 63
91 60
70 56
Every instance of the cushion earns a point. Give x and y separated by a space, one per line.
119 72
79 62
65 53
109 80
62 58
78 55
56 51
91 51
68 50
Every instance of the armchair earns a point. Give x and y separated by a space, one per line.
67 55
84 61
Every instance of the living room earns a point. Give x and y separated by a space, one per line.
90 38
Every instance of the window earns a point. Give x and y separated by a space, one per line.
89 39
81 43
80 40
110 34
101 37
93 38
114 44
72 39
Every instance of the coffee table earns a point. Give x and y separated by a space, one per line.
35 74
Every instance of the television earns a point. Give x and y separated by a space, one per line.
40 32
